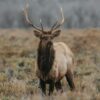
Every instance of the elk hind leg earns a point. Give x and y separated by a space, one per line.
58 86
69 78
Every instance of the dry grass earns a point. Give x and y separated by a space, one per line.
17 65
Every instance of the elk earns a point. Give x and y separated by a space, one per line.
54 59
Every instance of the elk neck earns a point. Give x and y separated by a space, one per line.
46 55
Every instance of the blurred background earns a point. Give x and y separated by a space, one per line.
78 13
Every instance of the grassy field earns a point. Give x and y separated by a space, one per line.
17 65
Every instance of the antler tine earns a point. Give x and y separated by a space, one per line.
57 24
41 25
54 25
27 18
62 17
62 21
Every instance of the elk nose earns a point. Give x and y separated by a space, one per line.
49 39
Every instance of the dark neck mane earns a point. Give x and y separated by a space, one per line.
45 58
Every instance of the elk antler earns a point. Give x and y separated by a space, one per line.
29 21
58 24
41 25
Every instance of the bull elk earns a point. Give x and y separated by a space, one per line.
54 59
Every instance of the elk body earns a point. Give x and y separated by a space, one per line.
54 60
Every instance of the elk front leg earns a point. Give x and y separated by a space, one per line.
51 87
43 86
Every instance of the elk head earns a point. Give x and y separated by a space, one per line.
41 33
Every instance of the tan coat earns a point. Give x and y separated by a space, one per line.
63 61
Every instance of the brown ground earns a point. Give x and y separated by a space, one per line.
17 60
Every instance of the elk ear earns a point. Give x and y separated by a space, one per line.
37 33
56 33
